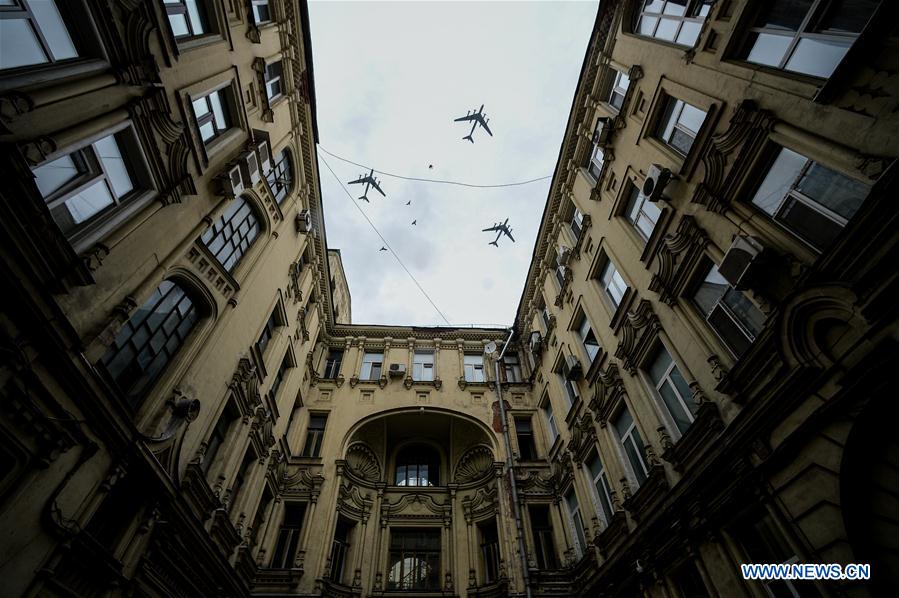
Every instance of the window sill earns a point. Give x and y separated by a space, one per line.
188 44
336 382
698 437
380 382
410 382
463 384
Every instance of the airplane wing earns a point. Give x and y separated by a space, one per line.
508 234
464 118
374 184
492 228
486 128
355 182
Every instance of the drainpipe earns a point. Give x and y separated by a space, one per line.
522 548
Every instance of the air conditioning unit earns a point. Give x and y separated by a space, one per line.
265 156
657 179
741 261
535 343
603 131
304 221
564 256
397 370
249 162
573 365
232 181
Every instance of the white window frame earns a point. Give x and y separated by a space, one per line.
636 213
221 122
584 330
198 21
271 81
628 436
569 388
370 360
255 4
473 368
670 122
575 522
684 402
611 279
600 480
423 366
512 364
618 89
646 23
550 416
576 223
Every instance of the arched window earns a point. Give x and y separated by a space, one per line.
231 235
149 340
418 465
280 177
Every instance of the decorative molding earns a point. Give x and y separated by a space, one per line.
677 258
639 330
362 462
474 465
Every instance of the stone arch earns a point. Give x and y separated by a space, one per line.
820 324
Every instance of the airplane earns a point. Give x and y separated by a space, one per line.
370 181
409 202
476 118
382 248
414 222
501 229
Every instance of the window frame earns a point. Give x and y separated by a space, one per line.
737 324
549 416
373 365
689 16
670 106
279 178
683 397
575 522
582 321
288 544
79 35
228 227
528 434
332 366
225 102
603 500
398 556
634 210
271 79
511 363
254 13
604 269
638 475
426 365
469 366
424 459
315 435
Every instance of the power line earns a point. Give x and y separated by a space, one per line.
411 178
386 244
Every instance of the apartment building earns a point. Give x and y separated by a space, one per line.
698 374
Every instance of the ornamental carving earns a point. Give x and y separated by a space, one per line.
244 387
474 465
607 392
639 330
677 258
363 462
747 132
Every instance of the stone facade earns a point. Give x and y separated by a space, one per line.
697 376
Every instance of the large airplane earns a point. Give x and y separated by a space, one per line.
370 181
476 118
501 229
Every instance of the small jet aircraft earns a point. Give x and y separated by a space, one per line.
476 118
370 181
382 248
501 229
414 222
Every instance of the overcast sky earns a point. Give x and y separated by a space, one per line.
390 77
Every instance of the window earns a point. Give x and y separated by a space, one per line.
474 368
489 550
213 114
597 155
811 200
728 311
632 444
83 185
273 86
339 548
332 363
619 89
676 21
423 366
808 36
371 366
414 559
280 177
601 488
642 213
149 340
672 388
764 542
268 331
576 522
218 435
289 536
544 547
279 375
560 276
547 320
688 581
568 387
679 125
418 465
511 367
262 11
240 479
33 32
547 409
613 284
315 433
259 518
229 238
588 339
577 223
527 450
187 18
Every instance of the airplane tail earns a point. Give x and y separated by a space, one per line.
494 243
365 198
469 138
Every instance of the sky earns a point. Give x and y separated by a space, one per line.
390 77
